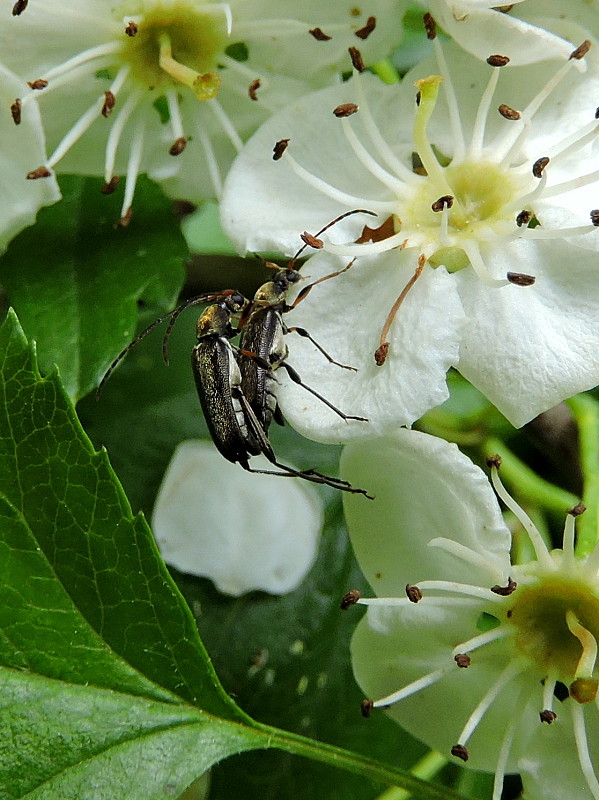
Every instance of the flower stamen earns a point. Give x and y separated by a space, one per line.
382 350
582 748
480 123
412 688
540 548
494 635
513 668
507 144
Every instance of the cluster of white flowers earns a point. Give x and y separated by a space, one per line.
473 245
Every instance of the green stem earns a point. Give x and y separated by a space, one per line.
425 769
356 763
526 482
586 413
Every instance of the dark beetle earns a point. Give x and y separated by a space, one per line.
235 430
262 336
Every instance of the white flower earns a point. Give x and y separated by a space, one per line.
496 663
508 197
244 532
146 80
20 202
526 31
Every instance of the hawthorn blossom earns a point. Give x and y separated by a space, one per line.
495 663
480 252
20 202
173 87
526 31
205 523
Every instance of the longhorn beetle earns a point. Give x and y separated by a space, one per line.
236 430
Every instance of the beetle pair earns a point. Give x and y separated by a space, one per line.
236 385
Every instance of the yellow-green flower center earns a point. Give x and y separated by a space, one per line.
177 44
541 615
460 200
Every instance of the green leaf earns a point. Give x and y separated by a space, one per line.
77 293
84 595
60 741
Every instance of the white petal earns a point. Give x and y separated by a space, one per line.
484 32
417 642
245 532
51 32
266 206
23 149
345 315
528 348
302 55
424 488
550 767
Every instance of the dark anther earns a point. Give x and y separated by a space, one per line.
380 354
356 59
597 113
508 113
443 202
539 166
131 28
505 591
520 278
595 217
124 221
523 218
504 9
365 32
345 110
178 146
111 185
109 101
40 83
494 461
462 660
413 593
578 509
430 26
581 50
350 599
40 172
15 110
418 96
279 149
460 751
548 716
253 88
311 241
366 707
319 35
561 691
498 61
19 7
